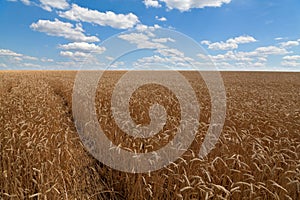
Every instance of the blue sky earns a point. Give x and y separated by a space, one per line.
236 34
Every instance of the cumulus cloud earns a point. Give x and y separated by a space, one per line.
83 46
63 29
7 52
59 4
186 5
47 4
135 38
75 54
47 60
26 2
109 18
248 60
141 40
31 65
229 44
171 52
16 56
222 46
146 29
241 40
168 62
232 55
205 42
78 59
203 56
118 65
163 40
163 54
270 50
280 38
30 58
259 53
145 38
162 19
289 44
152 3
3 65
293 57
12 58
289 63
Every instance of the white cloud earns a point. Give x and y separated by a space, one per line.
174 59
26 2
32 65
231 43
152 3
203 56
17 59
222 46
241 40
74 54
185 5
163 54
205 42
109 58
289 44
162 19
16 56
47 60
49 4
142 40
293 57
118 64
259 53
280 38
147 29
262 59
163 40
259 64
233 56
11 58
7 52
30 58
164 61
223 65
63 29
134 38
3 65
290 63
109 18
271 50
169 52
66 53
83 46
80 60
241 66
256 59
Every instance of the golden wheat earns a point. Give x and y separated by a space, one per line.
257 156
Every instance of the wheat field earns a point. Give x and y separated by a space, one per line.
257 155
